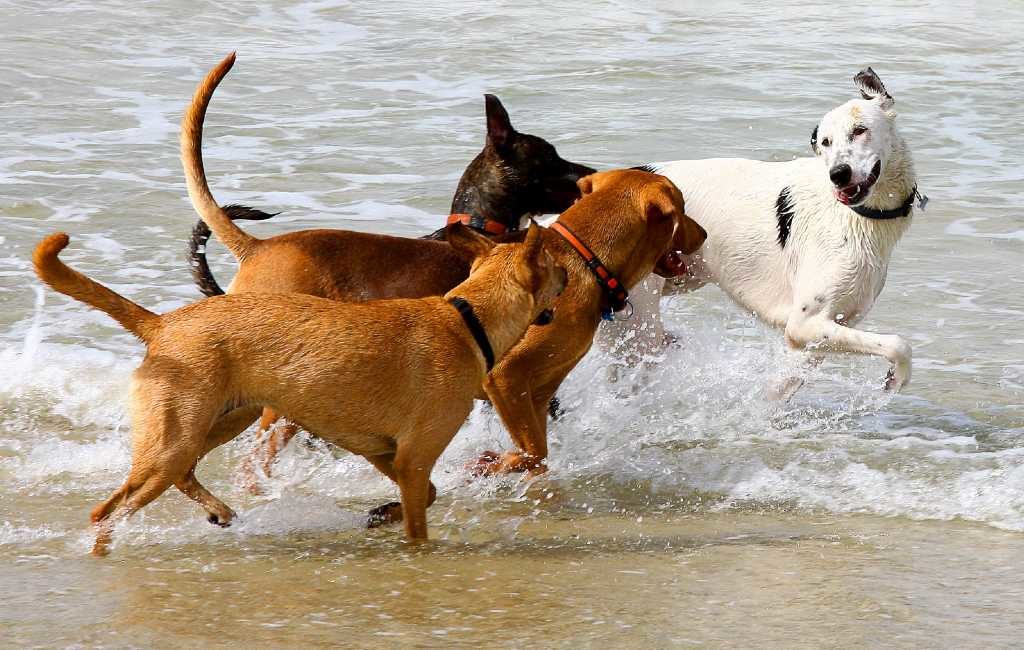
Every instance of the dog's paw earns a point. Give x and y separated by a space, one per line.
483 465
897 377
893 384
220 519
389 513
491 463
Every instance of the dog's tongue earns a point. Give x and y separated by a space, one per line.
672 262
845 195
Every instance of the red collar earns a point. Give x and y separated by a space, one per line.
489 226
618 297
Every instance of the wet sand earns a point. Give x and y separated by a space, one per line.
639 580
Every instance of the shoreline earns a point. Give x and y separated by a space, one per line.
648 579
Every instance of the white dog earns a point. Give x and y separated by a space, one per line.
803 244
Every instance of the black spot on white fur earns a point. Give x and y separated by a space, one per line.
784 215
647 167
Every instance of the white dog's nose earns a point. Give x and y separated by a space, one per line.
841 174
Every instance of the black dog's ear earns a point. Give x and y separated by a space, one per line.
499 127
814 140
871 87
468 243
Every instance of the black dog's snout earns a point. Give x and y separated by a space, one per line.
841 174
579 171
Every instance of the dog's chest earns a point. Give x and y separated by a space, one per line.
845 260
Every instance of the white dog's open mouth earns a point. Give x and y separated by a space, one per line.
855 193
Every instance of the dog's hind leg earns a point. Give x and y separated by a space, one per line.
166 443
224 429
273 436
390 513
785 387
219 513
415 457
277 437
140 488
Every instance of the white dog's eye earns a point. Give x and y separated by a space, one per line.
827 142
858 130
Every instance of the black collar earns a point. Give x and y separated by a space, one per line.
894 213
475 328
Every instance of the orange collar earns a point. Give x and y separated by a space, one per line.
618 297
489 226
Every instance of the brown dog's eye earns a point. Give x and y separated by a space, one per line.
858 130
827 142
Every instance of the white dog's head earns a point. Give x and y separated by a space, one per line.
855 139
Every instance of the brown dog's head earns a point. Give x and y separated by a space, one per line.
527 264
649 221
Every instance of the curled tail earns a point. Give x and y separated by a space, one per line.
140 322
197 247
237 240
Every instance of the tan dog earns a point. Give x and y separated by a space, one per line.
389 380
634 222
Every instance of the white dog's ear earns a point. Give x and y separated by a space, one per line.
872 88
814 140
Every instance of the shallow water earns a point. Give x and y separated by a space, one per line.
681 507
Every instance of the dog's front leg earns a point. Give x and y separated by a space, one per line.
786 386
518 408
822 333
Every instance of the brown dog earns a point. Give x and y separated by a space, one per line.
516 173
633 221
390 380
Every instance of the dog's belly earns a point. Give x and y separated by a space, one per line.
735 201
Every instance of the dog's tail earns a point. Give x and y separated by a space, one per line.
197 247
239 242
51 270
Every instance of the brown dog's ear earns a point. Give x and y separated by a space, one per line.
586 185
667 201
664 200
534 242
468 243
